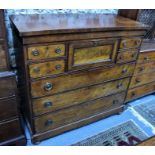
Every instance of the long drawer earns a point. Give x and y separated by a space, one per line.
144 68
10 129
80 79
142 79
140 91
79 112
8 108
59 101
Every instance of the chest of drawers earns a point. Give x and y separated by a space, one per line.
11 132
73 69
143 80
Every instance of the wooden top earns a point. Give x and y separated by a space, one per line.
148 46
29 25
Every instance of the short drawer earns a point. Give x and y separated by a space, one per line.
7 86
3 62
130 43
46 68
146 57
80 79
10 129
46 51
8 108
142 79
83 54
59 101
140 91
144 68
127 56
79 112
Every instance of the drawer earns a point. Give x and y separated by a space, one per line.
75 113
140 91
10 129
46 68
146 57
3 61
130 43
142 79
8 108
7 86
144 68
83 54
59 101
76 80
127 56
46 51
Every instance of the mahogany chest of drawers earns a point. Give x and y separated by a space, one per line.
143 80
73 69
11 132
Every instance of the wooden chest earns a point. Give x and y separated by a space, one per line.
143 80
11 132
3 44
74 69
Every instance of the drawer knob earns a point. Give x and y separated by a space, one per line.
36 69
146 58
141 69
58 50
137 81
35 52
119 85
48 86
124 44
137 42
48 122
47 104
124 71
115 102
58 67
133 94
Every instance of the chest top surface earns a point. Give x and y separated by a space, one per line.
30 25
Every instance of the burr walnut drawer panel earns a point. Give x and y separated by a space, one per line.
3 63
127 56
142 79
7 86
144 68
67 82
10 129
92 53
46 51
59 101
75 113
8 108
46 68
140 91
130 43
146 57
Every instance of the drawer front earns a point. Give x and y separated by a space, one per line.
8 108
46 51
144 68
127 56
130 43
9 130
79 112
3 63
7 87
92 53
59 101
146 57
80 79
140 91
142 79
46 68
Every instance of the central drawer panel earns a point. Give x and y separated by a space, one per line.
79 79
92 53
59 101
79 112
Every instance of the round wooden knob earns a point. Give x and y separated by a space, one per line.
47 104
48 122
35 52
48 86
58 67
58 50
36 69
124 71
